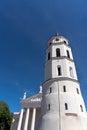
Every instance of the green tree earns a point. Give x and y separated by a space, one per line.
5 116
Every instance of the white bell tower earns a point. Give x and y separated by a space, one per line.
62 106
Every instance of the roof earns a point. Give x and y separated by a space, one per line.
58 39
34 100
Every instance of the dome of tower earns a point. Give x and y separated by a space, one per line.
58 39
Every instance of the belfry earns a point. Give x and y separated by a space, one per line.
60 105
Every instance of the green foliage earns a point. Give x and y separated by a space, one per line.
5 116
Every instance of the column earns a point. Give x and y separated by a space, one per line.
33 119
26 119
20 119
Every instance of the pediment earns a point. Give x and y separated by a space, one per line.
32 101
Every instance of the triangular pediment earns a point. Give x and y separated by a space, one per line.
33 100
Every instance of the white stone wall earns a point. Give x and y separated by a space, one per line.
74 123
57 117
63 49
62 107
65 64
51 70
59 97
48 70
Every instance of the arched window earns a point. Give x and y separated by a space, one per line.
66 106
57 39
71 72
59 71
49 56
77 90
48 106
64 88
68 55
50 43
81 108
57 52
50 90
65 42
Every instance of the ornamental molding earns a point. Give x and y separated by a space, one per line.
35 99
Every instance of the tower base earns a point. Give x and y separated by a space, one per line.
52 122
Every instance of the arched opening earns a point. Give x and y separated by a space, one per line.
66 106
57 39
59 71
50 90
65 42
48 106
77 90
50 43
68 55
64 88
57 52
71 72
49 56
81 108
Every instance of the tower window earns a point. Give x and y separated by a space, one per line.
57 39
71 72
77 90
66 106
59 71
49 56
50 90
65 42
68 55
48 106
50 43
57 52
81 108
64 88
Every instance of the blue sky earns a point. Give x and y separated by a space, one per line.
25 27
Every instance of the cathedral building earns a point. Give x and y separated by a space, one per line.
60 105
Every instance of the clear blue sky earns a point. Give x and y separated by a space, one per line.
25 27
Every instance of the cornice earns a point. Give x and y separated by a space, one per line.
54 44
59 58
61 79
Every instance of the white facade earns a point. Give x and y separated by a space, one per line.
59 105
62 106
28 118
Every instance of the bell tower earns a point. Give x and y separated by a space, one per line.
62 106
59 59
